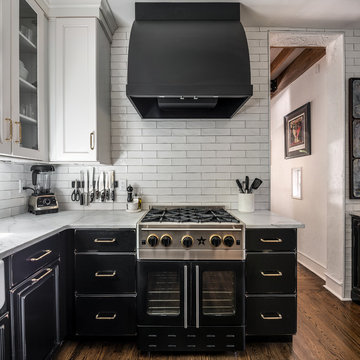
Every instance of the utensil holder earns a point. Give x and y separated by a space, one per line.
246 202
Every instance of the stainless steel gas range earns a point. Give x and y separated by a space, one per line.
191 280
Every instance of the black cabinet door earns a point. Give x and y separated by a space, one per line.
271 239
162 287
218 293
273 273
35 312
355 290
104 273
4 337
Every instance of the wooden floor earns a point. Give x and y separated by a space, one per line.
328 329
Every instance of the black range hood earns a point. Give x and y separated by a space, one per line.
188 60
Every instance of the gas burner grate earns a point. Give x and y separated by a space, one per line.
189 215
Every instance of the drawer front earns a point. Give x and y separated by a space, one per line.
270 273
105 316
271 240
26 262
105 274
268 316
105 240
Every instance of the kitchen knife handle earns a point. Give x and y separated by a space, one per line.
271 273
185 297
271 240
278 316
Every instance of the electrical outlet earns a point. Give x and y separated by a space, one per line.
20 186
122 185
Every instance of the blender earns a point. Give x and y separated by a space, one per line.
42 200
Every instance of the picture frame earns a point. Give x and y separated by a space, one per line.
297 132
296 183
354 138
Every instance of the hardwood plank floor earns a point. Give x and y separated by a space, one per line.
328 329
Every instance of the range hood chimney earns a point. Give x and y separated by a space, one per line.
188 60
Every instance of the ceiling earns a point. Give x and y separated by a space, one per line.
332 14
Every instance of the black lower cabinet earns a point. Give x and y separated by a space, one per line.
5 337
101 316
267 316
35 315
355 257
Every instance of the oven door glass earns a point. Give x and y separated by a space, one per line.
161 288
163 296
219 293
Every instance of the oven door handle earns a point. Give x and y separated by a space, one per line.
185 296
197 299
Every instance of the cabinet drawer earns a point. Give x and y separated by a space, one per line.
270 273
273 315
105 240
105 316
271 240
105 274
26 262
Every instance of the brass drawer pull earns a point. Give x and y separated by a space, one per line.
99 317
46 253
105 240
271 317
105 273
271 273
271 240
48 271
10 130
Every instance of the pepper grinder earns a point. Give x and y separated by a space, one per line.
130 195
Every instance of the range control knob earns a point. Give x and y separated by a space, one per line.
152 240
215 240
229 240
166 240
187 241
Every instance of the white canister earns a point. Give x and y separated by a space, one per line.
246 202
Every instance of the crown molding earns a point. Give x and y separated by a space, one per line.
81 8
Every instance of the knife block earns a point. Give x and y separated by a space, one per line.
246 203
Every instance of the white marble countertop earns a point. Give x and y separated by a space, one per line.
266 219
18 232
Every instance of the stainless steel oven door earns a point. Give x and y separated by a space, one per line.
162 293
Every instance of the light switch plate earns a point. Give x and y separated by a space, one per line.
122 185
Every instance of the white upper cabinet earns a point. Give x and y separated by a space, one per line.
79 91
23 130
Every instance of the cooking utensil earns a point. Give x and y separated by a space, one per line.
92 186
112 185
243 184
81 187
255 184
239 185
107 185
86 187
247 181
102 186
75 196
97 192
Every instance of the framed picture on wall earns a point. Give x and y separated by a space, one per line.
297 132
354 137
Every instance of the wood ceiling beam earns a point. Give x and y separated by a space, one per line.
303 62
283 55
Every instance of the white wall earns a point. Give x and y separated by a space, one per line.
320 244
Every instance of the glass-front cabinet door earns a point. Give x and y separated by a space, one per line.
28 69
162 287
219 293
